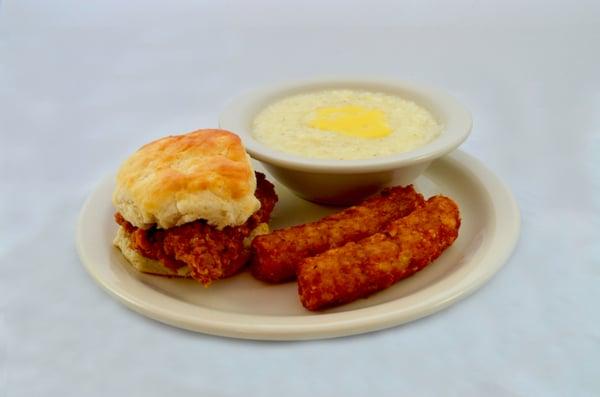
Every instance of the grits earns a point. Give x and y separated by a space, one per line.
345 125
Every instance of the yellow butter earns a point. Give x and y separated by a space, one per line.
351 120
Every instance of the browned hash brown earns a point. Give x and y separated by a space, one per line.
358 269
277 254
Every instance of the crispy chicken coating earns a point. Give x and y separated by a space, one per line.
277 255
359 269
211 254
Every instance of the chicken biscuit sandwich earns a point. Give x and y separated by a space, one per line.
189 205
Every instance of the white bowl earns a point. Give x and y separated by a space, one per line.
343 182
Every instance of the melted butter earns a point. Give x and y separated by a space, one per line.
352 120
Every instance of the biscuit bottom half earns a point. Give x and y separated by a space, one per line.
123 241
143 264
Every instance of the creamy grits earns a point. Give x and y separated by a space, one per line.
345 125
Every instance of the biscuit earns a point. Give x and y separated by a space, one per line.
205 174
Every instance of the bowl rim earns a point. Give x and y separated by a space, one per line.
238 115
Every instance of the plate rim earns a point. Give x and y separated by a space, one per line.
329 325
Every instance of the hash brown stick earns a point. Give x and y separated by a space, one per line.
358 269
277 254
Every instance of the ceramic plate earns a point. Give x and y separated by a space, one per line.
243 307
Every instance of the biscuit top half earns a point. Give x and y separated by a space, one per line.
205 174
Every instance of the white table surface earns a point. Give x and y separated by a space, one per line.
83 85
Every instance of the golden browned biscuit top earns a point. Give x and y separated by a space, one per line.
204 174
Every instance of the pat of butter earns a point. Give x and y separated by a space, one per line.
352 120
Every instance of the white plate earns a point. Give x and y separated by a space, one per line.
243 307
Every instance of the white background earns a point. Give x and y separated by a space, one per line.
82 85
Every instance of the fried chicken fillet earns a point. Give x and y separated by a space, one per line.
276 255
211 254
358 269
